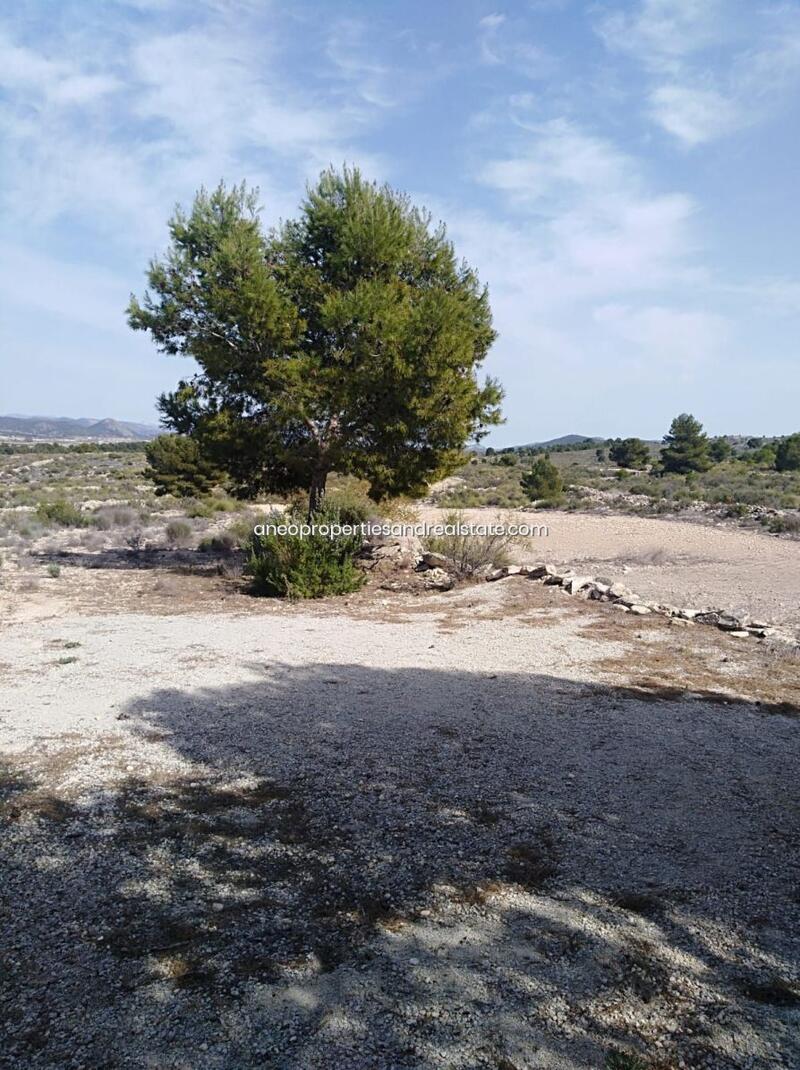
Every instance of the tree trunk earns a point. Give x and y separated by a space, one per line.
316 492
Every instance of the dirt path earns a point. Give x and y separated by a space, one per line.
687 564
439 833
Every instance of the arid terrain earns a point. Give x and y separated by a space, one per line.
490 827
687 563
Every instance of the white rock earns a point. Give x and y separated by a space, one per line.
639 610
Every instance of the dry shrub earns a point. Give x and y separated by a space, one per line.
472 552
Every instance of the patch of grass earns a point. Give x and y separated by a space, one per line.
620 1060
62 513
69 659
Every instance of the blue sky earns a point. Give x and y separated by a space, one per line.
622 175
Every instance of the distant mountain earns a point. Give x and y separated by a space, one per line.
60 427
564 440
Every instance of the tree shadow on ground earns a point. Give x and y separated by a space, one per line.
196 562
413 868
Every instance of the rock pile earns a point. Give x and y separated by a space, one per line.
626 601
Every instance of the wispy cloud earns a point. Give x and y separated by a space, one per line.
714 67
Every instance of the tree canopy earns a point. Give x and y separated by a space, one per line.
685 446
787 453
347 339
629 452
543 481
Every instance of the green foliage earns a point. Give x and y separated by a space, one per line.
629 453
62 513
765 456
177 466
787 454
619 1060
719 449
471 552
543 481
53 571
178 532
310 566
509 459
346 340
224 542
685 446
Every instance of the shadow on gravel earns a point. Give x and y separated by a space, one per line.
198 562
412 869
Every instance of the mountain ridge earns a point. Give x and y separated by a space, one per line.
37 428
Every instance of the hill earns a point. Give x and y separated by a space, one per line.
37 428
564 440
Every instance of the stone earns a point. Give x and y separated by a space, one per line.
619 590
535 572
729 624
436 579
575 583
434 560
739 633
639 610
620 607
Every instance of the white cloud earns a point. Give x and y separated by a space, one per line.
112 128
714 67
56 81
694 115
589 213
504 43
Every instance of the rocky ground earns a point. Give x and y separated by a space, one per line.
491 827
705 565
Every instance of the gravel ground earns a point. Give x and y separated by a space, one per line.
701 565
298 838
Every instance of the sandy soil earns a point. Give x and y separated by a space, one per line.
700 565
494 828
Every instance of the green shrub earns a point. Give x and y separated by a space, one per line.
470 552
178 532
293 566
107 517
223 542
61 512
782 525
53 571
543 482
787 454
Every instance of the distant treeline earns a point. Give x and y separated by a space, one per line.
563 447
73 447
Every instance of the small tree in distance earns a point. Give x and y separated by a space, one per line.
629 453
719 449
787 454
685 446
176 466
543 482
346 340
